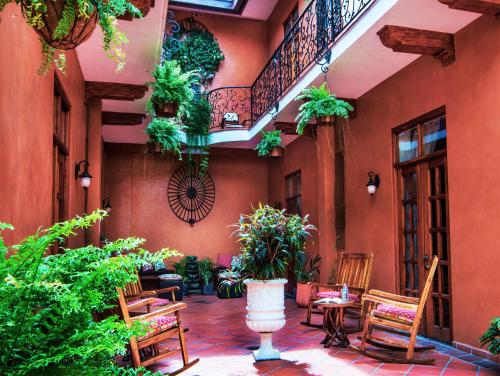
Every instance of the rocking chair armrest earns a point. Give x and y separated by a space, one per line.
401 298
174 308
140 303
146 293
167 289
378 299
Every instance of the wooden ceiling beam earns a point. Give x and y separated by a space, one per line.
143 5
491 7
122 118
417 41
116 91
290 128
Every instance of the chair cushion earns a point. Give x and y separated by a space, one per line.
336 294
156 302
159 324
395 313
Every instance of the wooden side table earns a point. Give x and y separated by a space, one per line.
333 323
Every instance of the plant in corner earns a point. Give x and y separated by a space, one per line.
49 304
270 144
306 270
270 241
322 105
167 133
64 24
172 89
206 268
491 337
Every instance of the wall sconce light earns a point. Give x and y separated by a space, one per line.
373 182
106 204
84 176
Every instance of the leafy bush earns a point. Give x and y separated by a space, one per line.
197 121
206 267
319 102
269 141
48 304
171 85
491 337
181 268
269 240
35 12
166 131
307 268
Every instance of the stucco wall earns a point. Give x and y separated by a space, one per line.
470 90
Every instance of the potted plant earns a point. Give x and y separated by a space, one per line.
166 133
491 337
181 269
230 285
322 105
306 270
206 267
197 119
65 24
270 240
171 89
270 144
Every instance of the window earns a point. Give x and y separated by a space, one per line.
291 19
293 195
421 137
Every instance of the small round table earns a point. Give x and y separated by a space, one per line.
333 323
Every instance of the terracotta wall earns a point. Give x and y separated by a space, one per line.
137 184
298 155
469 89
26 123
275 24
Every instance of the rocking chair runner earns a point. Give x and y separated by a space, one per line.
163 325
354 270
395 313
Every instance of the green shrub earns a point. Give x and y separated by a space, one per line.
491 337
319 102
206 267
269 141
167 132
307 268
47 304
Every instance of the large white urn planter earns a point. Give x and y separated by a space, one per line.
266 313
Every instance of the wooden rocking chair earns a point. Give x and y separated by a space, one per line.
354 270
134 293
395 314
163 323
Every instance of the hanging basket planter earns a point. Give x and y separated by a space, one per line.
276 152
326 121
143 5
79 31
168 110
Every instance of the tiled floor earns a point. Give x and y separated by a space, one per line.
219 337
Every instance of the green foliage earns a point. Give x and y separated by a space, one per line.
269 240
269 141
319 102
47 304
198 50
167 132
197 121
206 267
307 268
170 85
35 13
491 337
181 268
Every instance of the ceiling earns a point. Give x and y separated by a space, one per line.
252 9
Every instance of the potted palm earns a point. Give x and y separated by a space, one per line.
322 105
306 270
171 89
65 24
270 240
165 135
181 269
270 144
206 267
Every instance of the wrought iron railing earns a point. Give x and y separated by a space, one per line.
308 42
232 102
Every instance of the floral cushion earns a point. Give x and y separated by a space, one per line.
159 324
393 312
336 294
156 302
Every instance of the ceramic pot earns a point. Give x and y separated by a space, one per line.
276 152
266 313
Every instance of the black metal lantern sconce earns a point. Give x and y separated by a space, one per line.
373 182
106 204
83 176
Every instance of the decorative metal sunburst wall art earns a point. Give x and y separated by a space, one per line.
191 193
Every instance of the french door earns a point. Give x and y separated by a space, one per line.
424 225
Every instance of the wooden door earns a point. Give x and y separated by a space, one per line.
423 219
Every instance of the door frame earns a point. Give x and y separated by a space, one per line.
421 165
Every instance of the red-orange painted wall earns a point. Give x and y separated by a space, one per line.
469 88
26 123
275 24
137 184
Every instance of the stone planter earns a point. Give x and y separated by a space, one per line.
266 313
303 294
208 289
